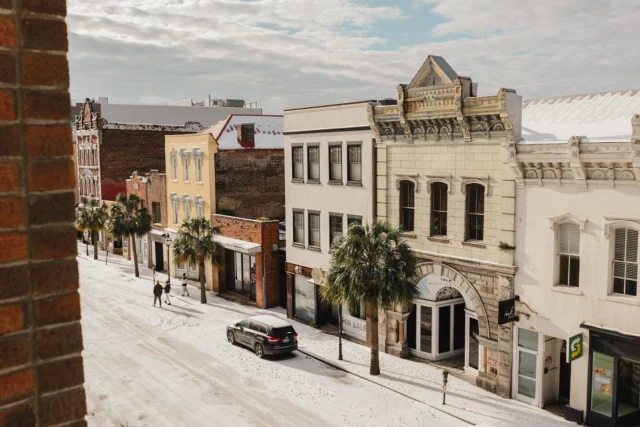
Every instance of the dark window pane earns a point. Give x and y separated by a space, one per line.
313 157
407 190
335 224
297 156
475 212
426 325
444 329
631 288
458 326
335 163
474 344
282 332
618 285
563 279
574 271
354 159
438 209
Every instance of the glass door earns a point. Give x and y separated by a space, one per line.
425 338
628 393
526 365
472 353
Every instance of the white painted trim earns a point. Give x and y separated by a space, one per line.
567 217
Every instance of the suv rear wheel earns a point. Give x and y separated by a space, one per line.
259 351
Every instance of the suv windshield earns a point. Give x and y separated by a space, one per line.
282 332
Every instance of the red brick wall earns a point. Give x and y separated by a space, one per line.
40 335
125 151
251 183
264 233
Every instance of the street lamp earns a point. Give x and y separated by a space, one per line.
167 241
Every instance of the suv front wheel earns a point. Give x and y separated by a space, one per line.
259 351
231 337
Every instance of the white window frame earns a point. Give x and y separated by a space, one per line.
610 231
174 165
515 365
173 198
558 254
186 202
554 224
199 201
197 156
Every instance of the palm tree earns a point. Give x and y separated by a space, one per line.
128 219
194 244
92 216
373 264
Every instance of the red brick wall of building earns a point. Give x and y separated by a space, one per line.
250 183
264 233
41 368
124 151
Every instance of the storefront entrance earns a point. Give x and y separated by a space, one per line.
241 273
614 379
159 253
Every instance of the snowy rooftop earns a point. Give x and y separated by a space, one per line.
601 117
268 131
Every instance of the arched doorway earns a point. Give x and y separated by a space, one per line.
446 319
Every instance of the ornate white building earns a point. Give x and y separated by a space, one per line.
443 175
578 219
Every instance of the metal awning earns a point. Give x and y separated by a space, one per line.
236 245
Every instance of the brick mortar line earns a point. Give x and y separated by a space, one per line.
69 423
63 390
14 404
40 297
57 325
341 368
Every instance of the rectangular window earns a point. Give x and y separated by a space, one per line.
314 230
625 262
187 211
475 212
426 329
174 168
298 228
157 213
354 163
568 254
602 384
198 169
185 166
438 209
297 158
174 205
313 168
407 202
200 208
353 220
335 227
335 164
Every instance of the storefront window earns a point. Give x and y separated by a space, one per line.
244 274
305 299
474 344
426 326
628 385
602 384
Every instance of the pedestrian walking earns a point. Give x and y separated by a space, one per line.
184 284
167 290
157 293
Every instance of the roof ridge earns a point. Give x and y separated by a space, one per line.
577 95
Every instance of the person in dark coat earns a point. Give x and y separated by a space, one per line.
184 284
157 293
167 289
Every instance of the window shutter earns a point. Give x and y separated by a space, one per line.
569 239
632 245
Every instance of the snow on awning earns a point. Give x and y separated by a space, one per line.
157 233
237 245
612 331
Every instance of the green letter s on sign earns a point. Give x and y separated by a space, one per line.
576 344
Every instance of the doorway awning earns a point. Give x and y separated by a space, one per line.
237 245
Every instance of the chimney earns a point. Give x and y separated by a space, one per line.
635 128
246 135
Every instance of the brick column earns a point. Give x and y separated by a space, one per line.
41 370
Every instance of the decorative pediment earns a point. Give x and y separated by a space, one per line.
197 152
173 153
445 179
613 223
408 177
184 153
434 71
466 180
554 221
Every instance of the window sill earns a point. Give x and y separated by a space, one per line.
475 244
409 235
567 290
623 299
298 245
186 182
438 239
174 180
199 182
354 183
314 248
336 183
297 181
313 181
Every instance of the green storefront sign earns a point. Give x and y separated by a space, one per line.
575 347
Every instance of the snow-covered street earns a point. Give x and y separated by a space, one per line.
172 366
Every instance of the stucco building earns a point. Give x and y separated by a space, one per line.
443 176
329 183
233 168
578 220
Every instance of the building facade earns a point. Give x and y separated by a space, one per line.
151 188
329 182
443 177
578 204
245 154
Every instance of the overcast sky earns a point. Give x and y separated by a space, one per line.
294 53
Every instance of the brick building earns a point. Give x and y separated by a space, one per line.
151 188
250 263
41 367
108 153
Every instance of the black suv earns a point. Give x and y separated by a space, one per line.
266 335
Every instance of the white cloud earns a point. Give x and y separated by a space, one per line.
287 53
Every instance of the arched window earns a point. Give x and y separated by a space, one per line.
475 212
438 209
407 205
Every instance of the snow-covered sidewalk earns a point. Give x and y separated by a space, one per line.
416 384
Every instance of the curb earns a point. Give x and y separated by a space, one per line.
343 369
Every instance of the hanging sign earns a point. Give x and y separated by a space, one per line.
507 311
317 276
575 347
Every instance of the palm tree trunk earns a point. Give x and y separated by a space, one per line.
135 255
374 368
94 237
203 295
129 249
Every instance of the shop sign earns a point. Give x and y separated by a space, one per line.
507 311
576 346
355 327
317 276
